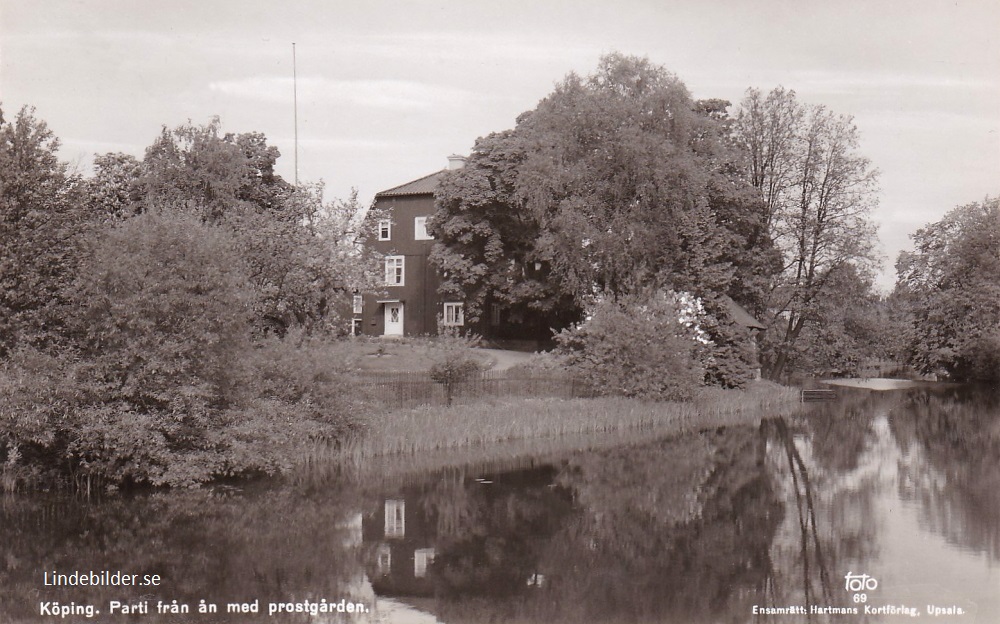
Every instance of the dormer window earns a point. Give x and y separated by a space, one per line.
385 229
420 229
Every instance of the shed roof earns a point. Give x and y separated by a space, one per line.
740 315
421 186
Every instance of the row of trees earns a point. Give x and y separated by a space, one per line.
141 308
619 187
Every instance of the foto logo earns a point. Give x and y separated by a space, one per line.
857 584
860 582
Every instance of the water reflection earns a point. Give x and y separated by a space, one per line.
901 486
950 467
219 546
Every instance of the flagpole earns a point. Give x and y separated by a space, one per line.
295 103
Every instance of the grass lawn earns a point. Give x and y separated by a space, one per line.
408 354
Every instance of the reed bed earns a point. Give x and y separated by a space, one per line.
409 389
495 427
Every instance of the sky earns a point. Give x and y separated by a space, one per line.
387 90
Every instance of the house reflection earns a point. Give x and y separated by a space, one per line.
464 533
401 549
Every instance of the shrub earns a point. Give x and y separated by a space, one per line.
162 384
309 374
38 400
635 348
453 361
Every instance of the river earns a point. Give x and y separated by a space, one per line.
878 502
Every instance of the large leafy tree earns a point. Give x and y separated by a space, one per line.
302 254
221 174
818 192
40 218
850 337
614 185
163 325
951 291
113 191
488 252
302 268
128 302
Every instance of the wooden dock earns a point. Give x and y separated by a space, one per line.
816 394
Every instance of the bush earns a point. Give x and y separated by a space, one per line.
635 348
310 376
453 361
162 384
38 401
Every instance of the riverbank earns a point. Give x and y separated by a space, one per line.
497 429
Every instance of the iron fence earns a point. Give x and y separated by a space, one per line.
413 389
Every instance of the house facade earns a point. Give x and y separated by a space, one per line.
408 304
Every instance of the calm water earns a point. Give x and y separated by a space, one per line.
903 487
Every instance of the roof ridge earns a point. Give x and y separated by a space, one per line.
396 190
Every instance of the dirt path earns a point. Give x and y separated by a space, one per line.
502 359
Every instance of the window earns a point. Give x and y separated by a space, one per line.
420 229
422 557
454 314
395 518
494 315
358 302
394 270
385 229
384 561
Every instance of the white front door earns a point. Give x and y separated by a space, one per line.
394 319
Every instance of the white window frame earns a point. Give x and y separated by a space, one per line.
395 518
357 304
454 314
420 229
395 270
422 557
384 559
385 229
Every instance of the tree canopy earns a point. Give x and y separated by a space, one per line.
40 218
302 253
615 185
818 192
611 184
950 288
134 308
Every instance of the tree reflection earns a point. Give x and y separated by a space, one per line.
811 547
221 546
833 463
679 530
953 468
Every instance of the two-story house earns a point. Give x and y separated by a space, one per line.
409 303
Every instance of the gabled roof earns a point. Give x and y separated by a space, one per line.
740 315
421 186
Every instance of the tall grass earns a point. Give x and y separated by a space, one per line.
482 429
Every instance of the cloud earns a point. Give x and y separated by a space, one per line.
854 81
385 94
478 47
348 143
